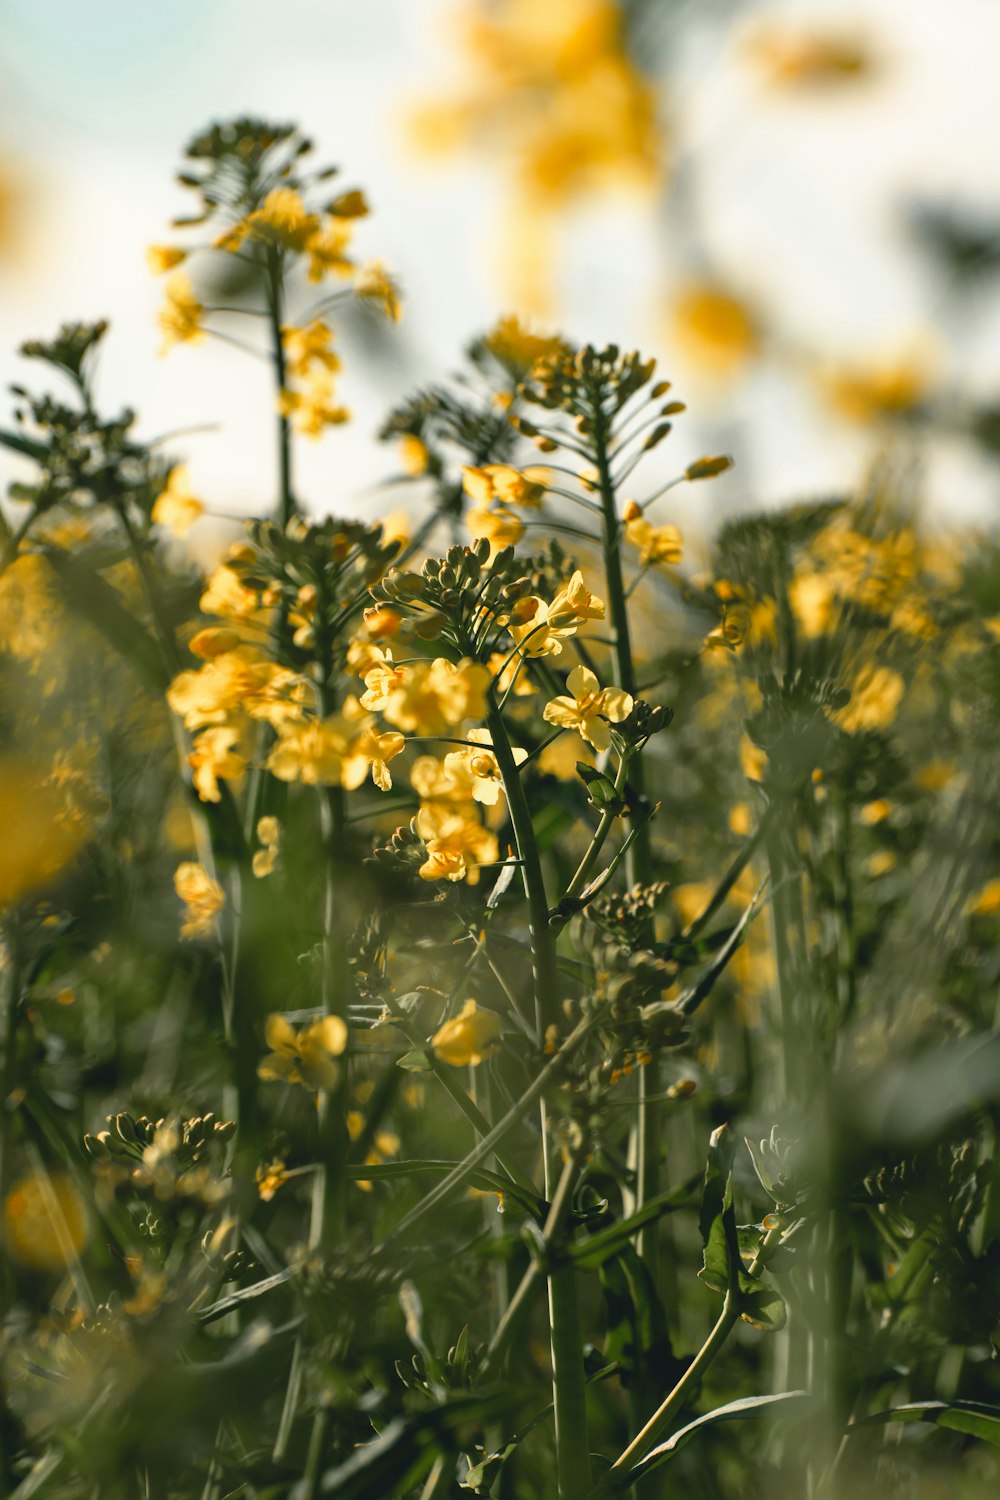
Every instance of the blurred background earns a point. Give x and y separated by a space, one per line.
794 207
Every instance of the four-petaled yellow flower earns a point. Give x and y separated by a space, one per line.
180 316
480 765
539 629
508 485
590 708
177 507
203 899
467 1038
656 544
306 1056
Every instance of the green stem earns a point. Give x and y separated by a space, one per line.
330 1181
287 506
543 950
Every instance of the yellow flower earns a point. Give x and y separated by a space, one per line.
589 708
305 1057
239 681
876 694
753 760
456 844
270 1178
885 388
508 667
326 249
161 258
227 595
374 284
312 410
539 628
308 348
413 455
467 1038
46 1221
447 781
180 316
282 220
438 695
350 205
714 329
176 507
480 767
39 838
336 751
498 525
212 756
508 485
813 600
381 678
875 812
269 833
803 57
986 901
214 640
560 757
203 898
518 349
656 544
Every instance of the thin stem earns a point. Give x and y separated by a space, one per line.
287 507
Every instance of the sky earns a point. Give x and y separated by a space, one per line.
797 199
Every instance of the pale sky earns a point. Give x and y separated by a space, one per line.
798 200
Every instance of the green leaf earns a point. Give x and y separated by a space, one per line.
416 1061
591 1252
716 1218
486 1181
89 595
692 998
749 1406
29 447
972 1417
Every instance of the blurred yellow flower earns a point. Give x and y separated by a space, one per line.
269 834
326 248
305 1057
498 525
180 316
282 220
309 347
508 485
867 393
656 544
413 455
212 757
803 56
876 693
338 750
162 258
203 899
986 901
375 284
311 410
40 837
457 844
436 696
46 1222
176 507
518 349
468 1038
589 708
714 329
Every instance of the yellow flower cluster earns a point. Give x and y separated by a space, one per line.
203 899
177 508
181 314
427 697
338 750
311 363
494 488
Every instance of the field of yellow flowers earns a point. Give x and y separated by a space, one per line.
490 1004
